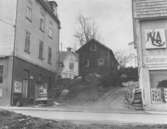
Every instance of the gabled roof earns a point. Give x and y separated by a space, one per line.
94 41
64 54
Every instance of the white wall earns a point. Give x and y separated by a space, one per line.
7 22
67 72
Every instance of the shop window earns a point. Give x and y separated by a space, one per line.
25 88
27 42
26 84
1 73
158 81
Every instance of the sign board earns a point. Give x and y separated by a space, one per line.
155 60
165 95
42 92
149 8
17 87
155 39
156 95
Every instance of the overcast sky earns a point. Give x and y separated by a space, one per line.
113 18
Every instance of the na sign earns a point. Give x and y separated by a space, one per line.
155 39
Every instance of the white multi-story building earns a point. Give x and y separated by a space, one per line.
29 48
69 64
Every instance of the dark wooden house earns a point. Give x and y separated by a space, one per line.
94 57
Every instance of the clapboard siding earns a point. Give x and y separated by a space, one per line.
150 8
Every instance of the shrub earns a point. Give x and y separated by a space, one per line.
128 74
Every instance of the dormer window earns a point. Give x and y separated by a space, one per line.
93 47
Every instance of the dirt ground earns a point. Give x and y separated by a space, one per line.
112 100
10 120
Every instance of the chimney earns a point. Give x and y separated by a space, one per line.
53 6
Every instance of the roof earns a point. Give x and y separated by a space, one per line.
95 41
64 54
47 7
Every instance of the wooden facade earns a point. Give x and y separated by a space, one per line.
150 29
94 57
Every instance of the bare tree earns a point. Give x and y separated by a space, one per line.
87 30
123 58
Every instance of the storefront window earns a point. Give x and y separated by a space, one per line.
158 80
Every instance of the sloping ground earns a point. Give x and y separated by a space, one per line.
81 92
112 100
90 95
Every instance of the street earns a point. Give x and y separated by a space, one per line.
105 118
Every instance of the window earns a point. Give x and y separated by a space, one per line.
27 42
50 30
29 13
42 23
87 63
41 44
158 85
1 73
100 62
93 47
71 66
49 55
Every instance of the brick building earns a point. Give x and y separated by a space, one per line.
29 47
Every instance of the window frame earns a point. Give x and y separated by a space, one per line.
99 63
49 55
29 13
27 42
41 50
50 30
87 63
93 47
42 23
